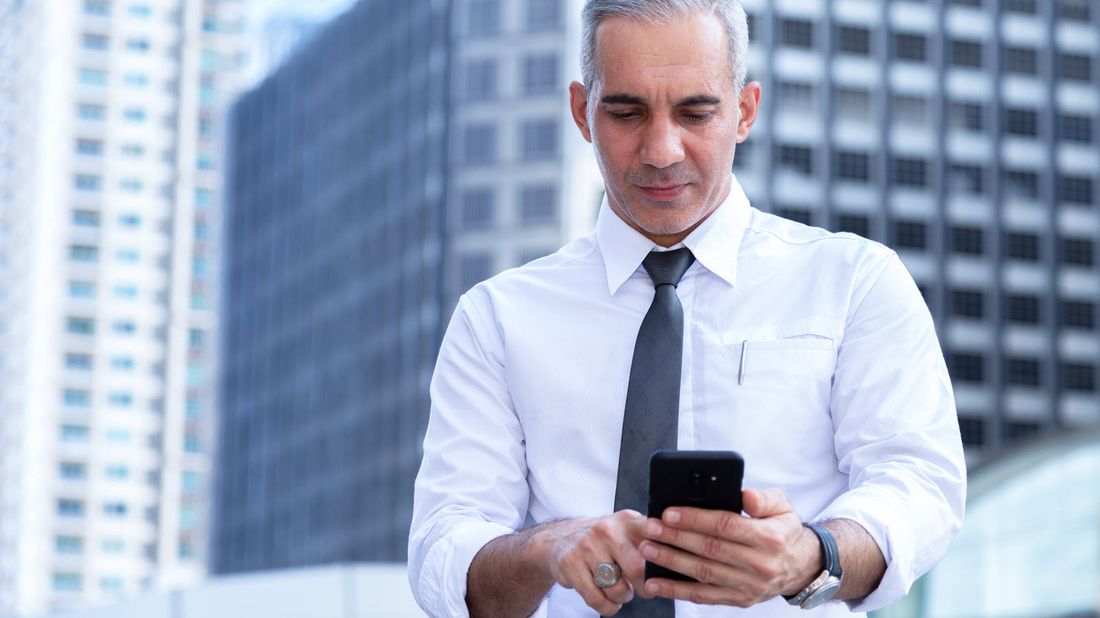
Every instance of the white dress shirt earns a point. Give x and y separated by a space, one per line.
810 353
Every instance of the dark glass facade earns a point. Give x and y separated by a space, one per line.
333 292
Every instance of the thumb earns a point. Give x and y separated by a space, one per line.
766 503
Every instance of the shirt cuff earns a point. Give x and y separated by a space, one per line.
880 516
442 585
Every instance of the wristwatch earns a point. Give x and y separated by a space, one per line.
825 586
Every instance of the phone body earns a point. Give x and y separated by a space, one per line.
700 479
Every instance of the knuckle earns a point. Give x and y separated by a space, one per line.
704 573
696 596
712 548
727 523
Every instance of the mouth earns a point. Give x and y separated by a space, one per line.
664 192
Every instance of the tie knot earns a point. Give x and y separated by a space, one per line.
667 267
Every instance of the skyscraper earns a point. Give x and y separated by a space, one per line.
110 184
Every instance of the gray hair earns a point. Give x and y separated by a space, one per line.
730 12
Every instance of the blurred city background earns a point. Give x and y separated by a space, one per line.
233 231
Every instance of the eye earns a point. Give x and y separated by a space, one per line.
699 117
623 115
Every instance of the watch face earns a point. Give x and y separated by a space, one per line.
823 594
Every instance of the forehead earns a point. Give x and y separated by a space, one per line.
689 54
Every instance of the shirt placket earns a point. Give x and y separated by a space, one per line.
686 434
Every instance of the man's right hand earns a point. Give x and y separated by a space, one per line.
572 549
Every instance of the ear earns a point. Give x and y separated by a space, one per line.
749 105
578 105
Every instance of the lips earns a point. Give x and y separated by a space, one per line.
667 192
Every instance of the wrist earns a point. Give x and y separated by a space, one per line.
808 561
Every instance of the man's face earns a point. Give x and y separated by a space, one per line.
664 119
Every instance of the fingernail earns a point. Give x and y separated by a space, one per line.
653 528
672 516
652 588
649 551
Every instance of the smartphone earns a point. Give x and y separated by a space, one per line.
701 479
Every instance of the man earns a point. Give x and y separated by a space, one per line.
811 354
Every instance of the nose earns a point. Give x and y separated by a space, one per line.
661 145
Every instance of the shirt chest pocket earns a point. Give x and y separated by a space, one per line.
764 392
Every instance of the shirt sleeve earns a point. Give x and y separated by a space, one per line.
896 430
472 484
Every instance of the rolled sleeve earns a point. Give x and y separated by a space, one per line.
896 431
472 484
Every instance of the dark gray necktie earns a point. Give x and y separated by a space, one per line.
653 397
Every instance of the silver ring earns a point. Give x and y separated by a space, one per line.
607 574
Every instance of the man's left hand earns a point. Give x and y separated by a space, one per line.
738 560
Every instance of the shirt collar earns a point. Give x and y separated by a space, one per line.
715 243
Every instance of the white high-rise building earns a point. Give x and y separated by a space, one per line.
110 184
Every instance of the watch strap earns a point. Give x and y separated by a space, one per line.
829 550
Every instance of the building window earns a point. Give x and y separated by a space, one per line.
481 80
114 509
854 104
966 116
797 97
85 218
967 240
94 42
543 15
480 144
1075 67
1079 377
972 430
78 362
92 77
1021 184
540 74
797 159
89 111
1021 246
538 205
1078 314
87 182
69 545
137 80
72 471
80 326
76 398
70 508
1023 372
1022 122
910 172
1075 189
966 54
474 268
966 179
97 8
854 40
1074 128
859 225
124 327
1026 7
968 303
1020 430
121 400
113 546
74 433
81 289
110 584
967 367
1074 10
117 473
140 45
539 139
1022 60
1022 308
122 363
483 18
1077 251
67 582
801 215
910 47
134 114
910 235
852 165
910 109
797 33
478 206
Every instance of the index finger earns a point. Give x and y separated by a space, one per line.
722 524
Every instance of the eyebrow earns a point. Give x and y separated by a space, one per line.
629 99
